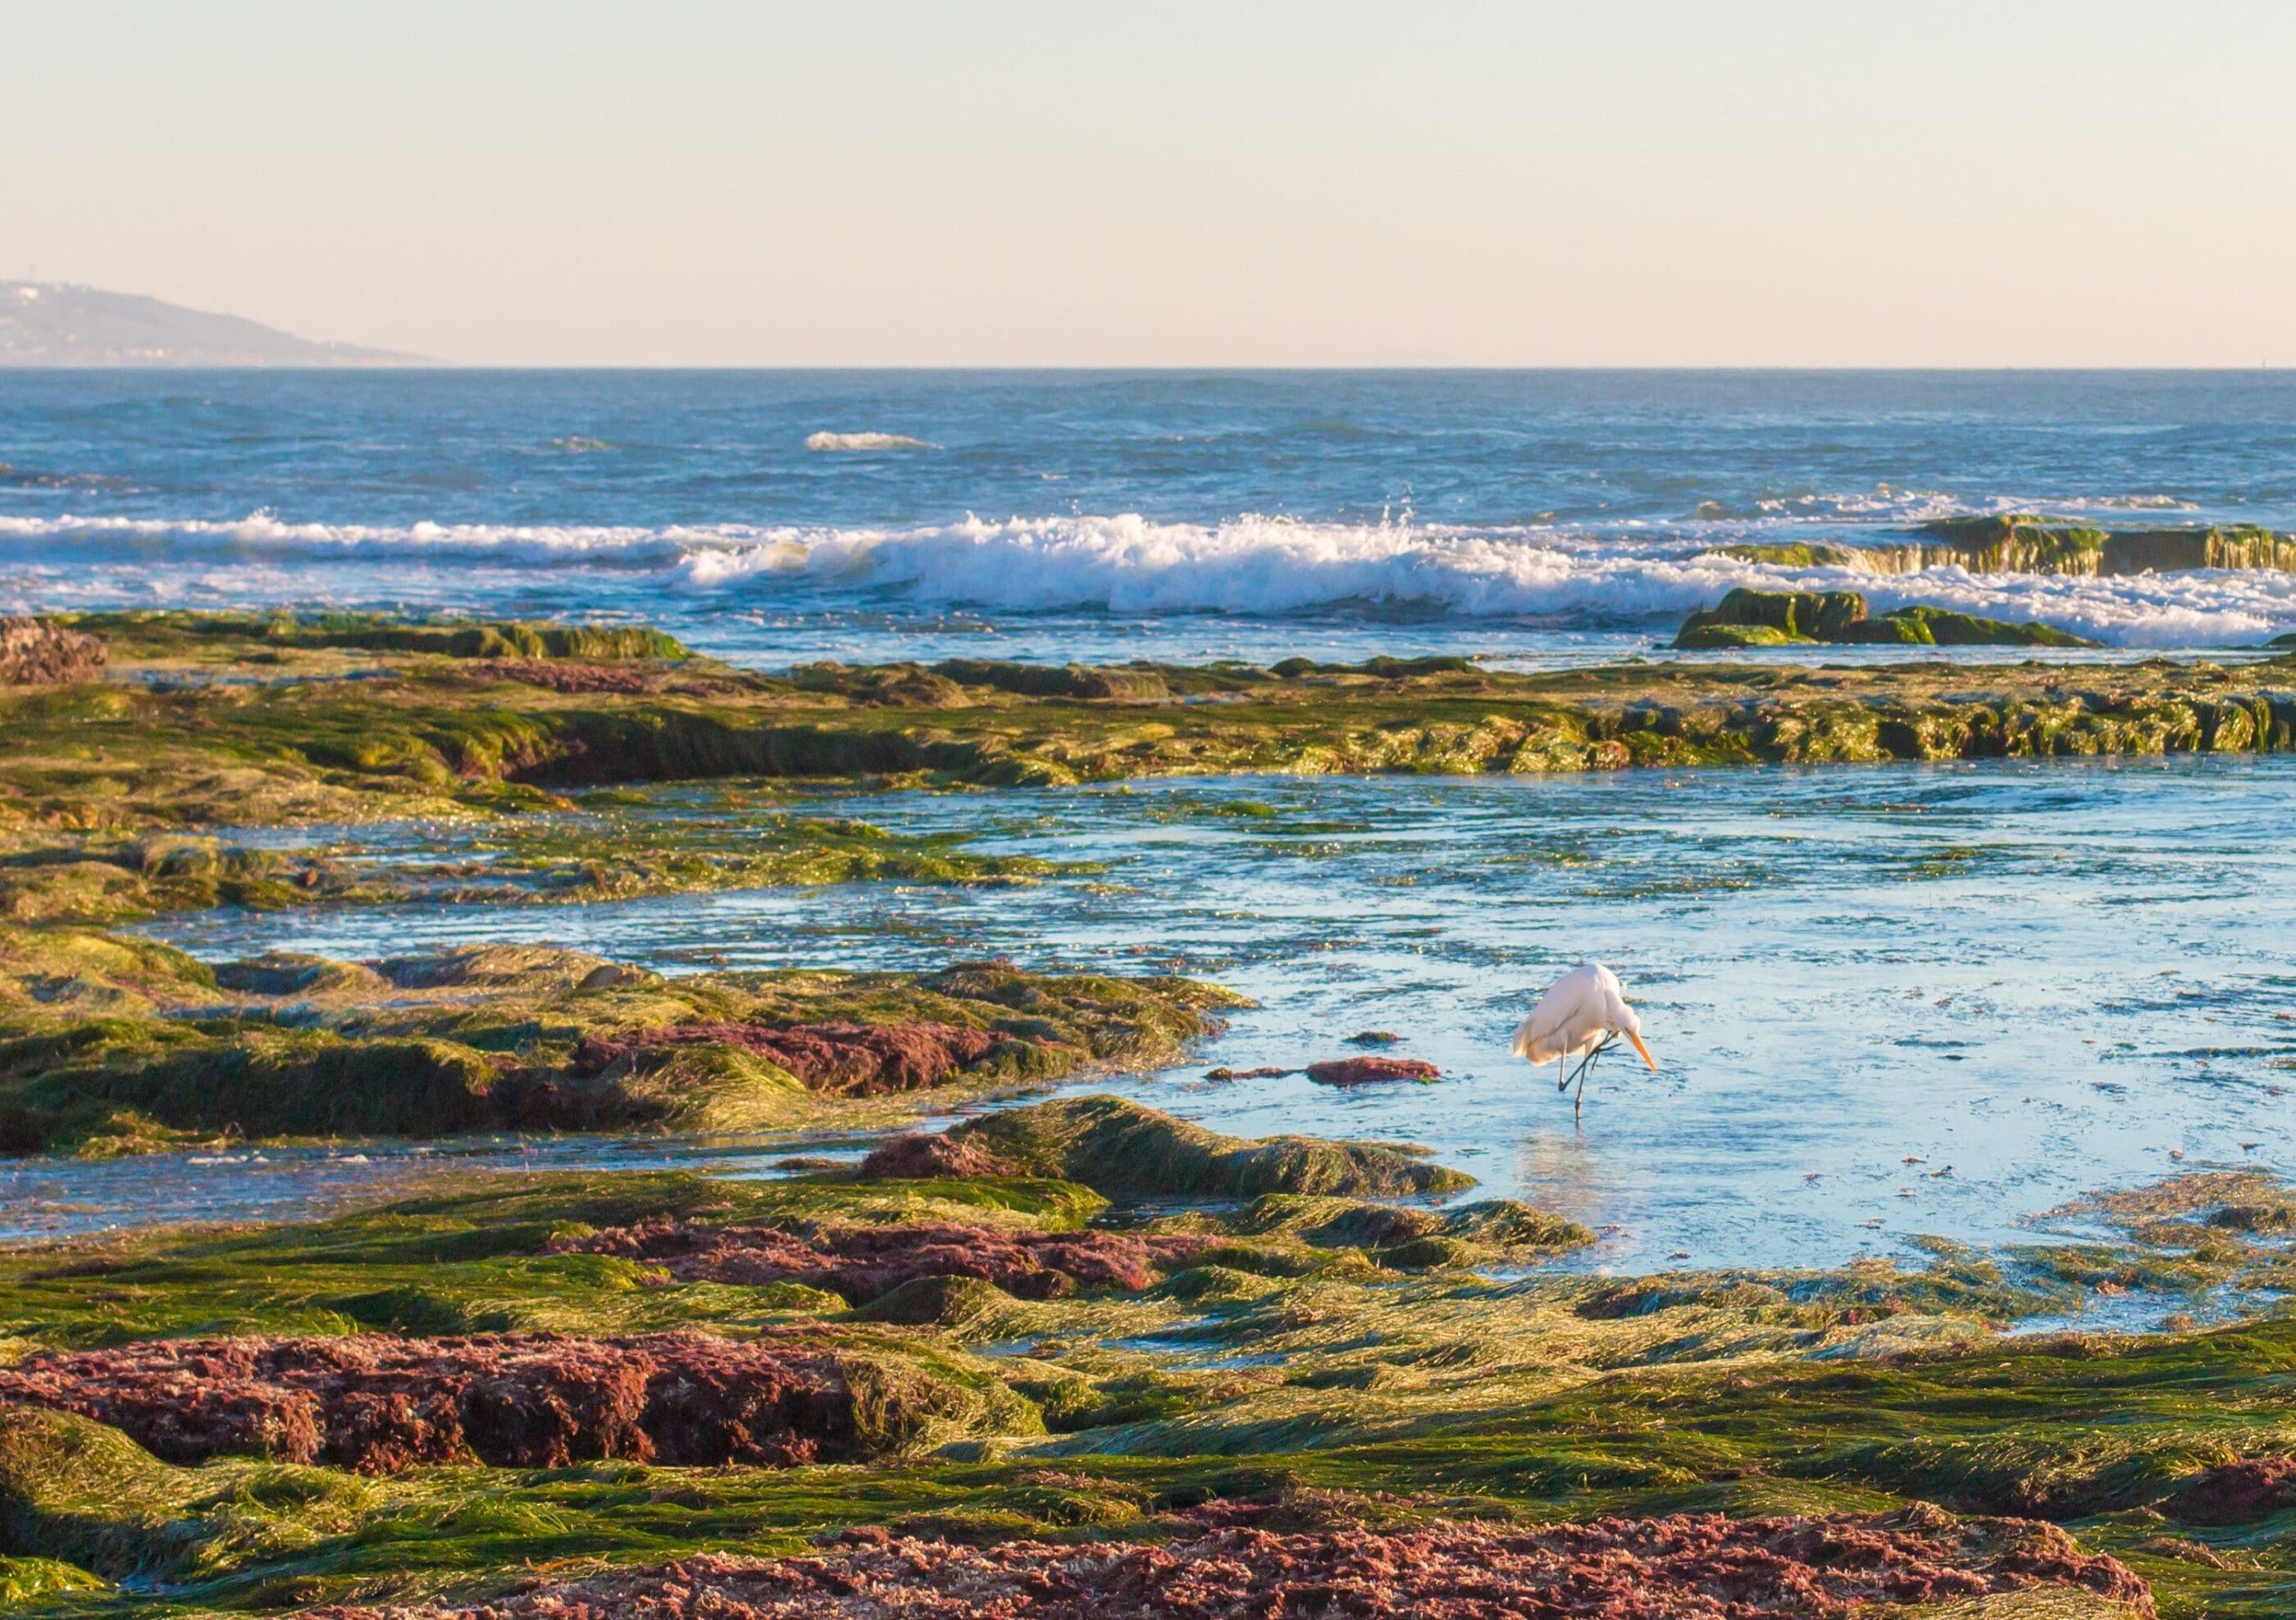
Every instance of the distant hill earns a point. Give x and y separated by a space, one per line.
44 324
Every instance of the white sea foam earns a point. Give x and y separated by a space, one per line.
865 441
1625 577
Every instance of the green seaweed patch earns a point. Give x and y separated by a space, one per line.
1765 618
109 1045
1124 1150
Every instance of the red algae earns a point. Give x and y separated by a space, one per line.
912 1156
1369 1071
379 1404
834 1059
863 1263
2235 1493
1686 1566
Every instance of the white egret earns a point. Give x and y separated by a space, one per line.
1581 1017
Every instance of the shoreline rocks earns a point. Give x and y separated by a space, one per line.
41 652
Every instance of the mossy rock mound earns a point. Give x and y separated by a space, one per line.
159 633
1723 638
74 1489
1776 619
1055 680
1925 626
1123 1151
935 1302
1787 616
1797 554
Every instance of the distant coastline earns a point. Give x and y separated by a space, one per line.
57 325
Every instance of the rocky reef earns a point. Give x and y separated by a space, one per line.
111 1044
1784 618
2024 543
1255 1561
198 731
419 1409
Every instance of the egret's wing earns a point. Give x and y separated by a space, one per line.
1557 1023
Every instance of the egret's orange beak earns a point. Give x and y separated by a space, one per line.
1639 1047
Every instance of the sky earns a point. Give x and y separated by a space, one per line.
1013 183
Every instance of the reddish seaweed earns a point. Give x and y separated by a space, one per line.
379 1404
1367 1071
836 1059
914 1158
2234 1493
863 1263
1686 1566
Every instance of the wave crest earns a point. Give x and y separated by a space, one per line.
865 441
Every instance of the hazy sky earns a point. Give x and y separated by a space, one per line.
1073 182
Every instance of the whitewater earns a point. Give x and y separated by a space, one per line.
774 518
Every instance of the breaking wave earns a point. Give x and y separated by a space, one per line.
865 441
1627 576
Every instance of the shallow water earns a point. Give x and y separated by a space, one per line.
2027 979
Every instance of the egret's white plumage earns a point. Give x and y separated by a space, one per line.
1585 1009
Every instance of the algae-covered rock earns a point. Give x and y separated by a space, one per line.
1771 618
1817 616
1122 1150
1056 680
1945 627
1716 638
2022 543
1795 554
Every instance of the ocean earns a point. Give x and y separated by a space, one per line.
776 517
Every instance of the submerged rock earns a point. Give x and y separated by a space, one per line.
1230 1560
1370 1071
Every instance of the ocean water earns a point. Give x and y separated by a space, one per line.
1888 1000
774 517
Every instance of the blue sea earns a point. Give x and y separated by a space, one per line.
774 517
1888 1002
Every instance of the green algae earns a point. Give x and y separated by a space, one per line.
573 855
150 637
111 1045
2022 543
1774 618
460 741
1121 1149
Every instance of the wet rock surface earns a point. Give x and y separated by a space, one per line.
379 1404
1371 1071
1686 1566
863 1263
40 652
